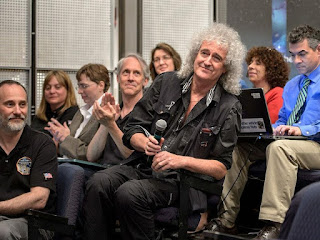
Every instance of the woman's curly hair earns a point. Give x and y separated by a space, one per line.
277 69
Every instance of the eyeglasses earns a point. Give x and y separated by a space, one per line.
83 86
164 58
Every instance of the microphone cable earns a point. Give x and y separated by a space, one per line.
245 162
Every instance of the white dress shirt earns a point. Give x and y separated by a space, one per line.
86 112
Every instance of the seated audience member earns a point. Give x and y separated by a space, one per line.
28 165
106 146
299 115
58 101
93 81
267 69
164 58
311 192
203 117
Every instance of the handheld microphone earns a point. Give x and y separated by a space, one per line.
161 125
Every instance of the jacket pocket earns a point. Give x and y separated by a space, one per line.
207 137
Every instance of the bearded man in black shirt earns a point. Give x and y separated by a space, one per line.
28 164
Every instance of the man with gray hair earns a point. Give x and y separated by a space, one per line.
299 115
203 119
106 146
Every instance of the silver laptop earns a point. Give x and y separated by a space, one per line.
255 116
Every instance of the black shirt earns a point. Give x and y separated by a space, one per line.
111 154
32 163
66 116
210 130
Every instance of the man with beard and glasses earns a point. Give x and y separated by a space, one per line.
28 165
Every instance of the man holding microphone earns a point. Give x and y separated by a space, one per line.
203 117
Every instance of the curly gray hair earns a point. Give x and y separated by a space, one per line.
229 39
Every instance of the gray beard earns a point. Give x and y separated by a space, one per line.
15 127
12 127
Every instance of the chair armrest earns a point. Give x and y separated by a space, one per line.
47 216
38 219
201 182
82 163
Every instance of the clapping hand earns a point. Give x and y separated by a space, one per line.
57 130
108 112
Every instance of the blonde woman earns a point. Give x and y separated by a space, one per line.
58 101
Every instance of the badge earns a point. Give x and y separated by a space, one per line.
24 165
169 106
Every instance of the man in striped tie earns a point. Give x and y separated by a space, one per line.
299 115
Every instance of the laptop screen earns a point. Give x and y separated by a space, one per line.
255 115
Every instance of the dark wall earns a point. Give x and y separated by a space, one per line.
252 19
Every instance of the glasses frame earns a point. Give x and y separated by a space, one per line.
164 58
83 86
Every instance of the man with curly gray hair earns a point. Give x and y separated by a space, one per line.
203 117
228 39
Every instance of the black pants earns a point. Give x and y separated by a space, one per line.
127 194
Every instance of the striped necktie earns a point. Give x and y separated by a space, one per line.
299 107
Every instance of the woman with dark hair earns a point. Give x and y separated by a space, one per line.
164 59
267 69
58 101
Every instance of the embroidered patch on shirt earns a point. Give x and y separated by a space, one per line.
47 176
24 165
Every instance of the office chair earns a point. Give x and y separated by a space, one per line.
70 183
306 221
251 197
182 216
